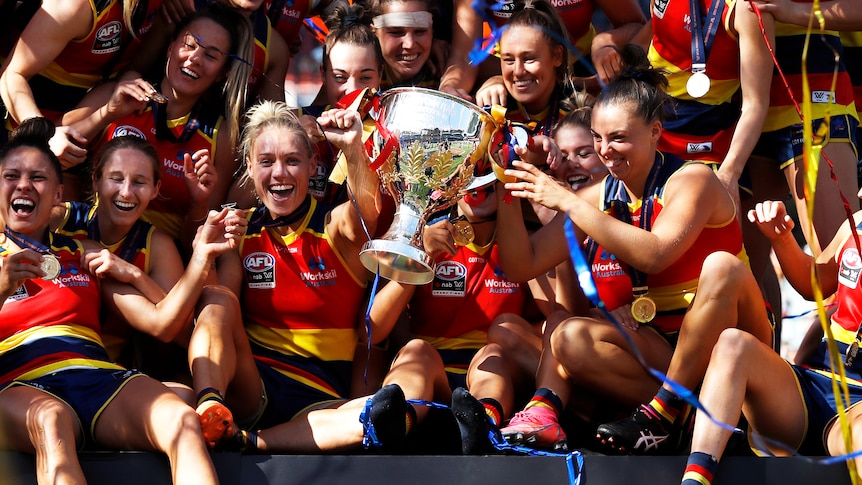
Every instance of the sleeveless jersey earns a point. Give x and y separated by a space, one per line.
287 16
167 211
789 42
846 319
702 128
299 298
82 63
468 292
545 122
50 326
674 287
134 248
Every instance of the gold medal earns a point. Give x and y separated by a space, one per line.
50 265
463 233
643 309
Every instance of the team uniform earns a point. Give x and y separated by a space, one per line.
813 377
701 128
287 16
320 186
300 304
423 79
674 288
49 337
453 313
78 223
782 138
194 131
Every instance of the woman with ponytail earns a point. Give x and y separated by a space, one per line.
665 251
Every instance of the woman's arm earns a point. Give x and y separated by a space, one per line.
53 26
755 76
343 128
165 319
693 197
459 75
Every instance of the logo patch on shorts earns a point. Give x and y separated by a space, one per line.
259 270
699 147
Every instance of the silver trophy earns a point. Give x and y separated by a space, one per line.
427 144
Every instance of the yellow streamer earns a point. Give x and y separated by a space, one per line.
811 166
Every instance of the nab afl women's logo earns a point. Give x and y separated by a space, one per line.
450 271
258 262
126 130
849 270
109 31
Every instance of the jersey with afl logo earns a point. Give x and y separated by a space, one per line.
849 295
821 65
167 211
299 298
701 128
50 326
576 15
468 292
674 287
83 62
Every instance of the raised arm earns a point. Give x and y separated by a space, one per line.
773 221
343 128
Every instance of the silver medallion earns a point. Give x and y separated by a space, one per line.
698 84
50 265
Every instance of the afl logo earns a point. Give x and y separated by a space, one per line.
258 262
109 31
126 130
850 259
450 271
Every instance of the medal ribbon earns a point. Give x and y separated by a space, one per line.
619 203
160 113
128 250
701 43
26 242
297 214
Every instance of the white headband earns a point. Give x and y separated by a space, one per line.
421 20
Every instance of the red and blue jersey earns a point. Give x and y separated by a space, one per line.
47 326
674 287
300 299
468 292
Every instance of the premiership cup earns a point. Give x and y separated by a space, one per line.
427 145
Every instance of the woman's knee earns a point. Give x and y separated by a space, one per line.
569 339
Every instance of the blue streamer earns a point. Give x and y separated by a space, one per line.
585 278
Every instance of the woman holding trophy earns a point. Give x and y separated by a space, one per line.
673 300
297 275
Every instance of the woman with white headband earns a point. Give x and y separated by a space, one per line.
405 30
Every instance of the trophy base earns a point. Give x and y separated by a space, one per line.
397 261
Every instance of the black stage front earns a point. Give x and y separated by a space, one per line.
133 468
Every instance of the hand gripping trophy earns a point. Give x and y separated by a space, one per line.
427 145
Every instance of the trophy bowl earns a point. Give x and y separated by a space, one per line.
426 147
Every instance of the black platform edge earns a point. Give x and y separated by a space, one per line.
133 468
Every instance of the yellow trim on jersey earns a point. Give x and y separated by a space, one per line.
325 344
35 333
67 364
474 339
